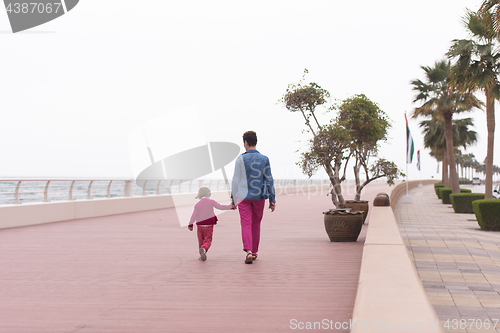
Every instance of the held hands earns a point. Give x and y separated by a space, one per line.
190 227
233 206
272 206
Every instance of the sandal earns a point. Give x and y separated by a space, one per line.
254 255
249 258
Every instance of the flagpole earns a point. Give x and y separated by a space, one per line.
406 179
419 168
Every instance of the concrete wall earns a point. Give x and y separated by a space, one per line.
400 189
390 293
31 214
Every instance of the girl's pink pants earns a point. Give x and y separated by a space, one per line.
205 236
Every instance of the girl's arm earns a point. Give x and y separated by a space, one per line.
193 217
221 207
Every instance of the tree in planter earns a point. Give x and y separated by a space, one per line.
334 144
327 147
305 99
367 125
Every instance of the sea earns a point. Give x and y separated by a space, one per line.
32 191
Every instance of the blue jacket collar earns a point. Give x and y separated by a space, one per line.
251 151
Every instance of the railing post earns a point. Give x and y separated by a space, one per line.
16 195
179 188
88 190
158 188
191 182
144 188
46 192
170 186
200 183
127 191
108 195
71 190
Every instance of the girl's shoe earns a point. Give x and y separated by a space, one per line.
203 254
249 258
254 255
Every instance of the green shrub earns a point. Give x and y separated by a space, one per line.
464 181
437 186
462 202
444 194
487 213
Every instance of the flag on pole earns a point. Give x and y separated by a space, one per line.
418 160
409 144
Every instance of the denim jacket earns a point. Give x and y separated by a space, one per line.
252 179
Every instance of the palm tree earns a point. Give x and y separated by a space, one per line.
469 160
434 139
440 101
477 68
459 159
492 7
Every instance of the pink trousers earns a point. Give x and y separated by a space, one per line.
205 236
251 212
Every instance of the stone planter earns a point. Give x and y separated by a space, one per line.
343 225
361 205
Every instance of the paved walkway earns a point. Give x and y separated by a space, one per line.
140 272
458 264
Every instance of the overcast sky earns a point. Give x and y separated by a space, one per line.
75 90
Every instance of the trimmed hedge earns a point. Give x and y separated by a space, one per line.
437 186
487 213
444 194
462 202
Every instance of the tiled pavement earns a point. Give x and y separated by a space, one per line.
458 264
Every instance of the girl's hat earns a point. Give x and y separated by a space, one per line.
203 192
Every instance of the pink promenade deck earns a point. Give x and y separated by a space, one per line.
140 272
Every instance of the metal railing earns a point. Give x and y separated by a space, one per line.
17 191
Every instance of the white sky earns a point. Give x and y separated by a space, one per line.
74 89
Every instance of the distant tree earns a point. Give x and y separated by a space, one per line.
434 138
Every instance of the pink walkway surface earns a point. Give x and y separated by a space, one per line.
140 272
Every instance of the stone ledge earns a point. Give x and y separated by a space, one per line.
390 292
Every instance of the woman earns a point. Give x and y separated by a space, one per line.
252 185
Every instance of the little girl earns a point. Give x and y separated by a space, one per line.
205 219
